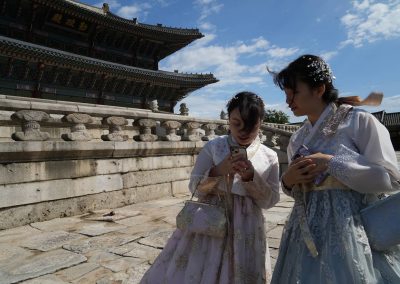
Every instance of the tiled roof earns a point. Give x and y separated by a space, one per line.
28 51
82 9
388 119
391 119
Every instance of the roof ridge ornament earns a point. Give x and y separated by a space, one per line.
106 8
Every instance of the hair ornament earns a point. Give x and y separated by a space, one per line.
319 70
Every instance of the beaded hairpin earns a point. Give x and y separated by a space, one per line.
320 70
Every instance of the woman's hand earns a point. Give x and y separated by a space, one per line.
223 168
237 164
298 172
321 162
305 169
243 167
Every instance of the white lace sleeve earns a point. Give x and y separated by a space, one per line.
290 153
264 188
200 173
374 168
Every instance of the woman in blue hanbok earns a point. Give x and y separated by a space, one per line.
342 160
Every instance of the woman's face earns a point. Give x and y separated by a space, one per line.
236 126
304 100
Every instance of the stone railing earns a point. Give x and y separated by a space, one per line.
62 158
70 130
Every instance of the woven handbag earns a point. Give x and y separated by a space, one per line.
202 218
381 222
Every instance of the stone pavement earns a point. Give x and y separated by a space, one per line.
104 247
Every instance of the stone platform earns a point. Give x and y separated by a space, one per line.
107 246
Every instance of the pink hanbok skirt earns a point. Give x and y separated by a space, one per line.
195 258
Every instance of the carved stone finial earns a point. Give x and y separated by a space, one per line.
263 138
30 125
115 128
153 105
270 139
106 8
78 128
145 126
183 109
171 127
210 131
283 142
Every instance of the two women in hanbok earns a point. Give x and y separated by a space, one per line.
342 160
242 256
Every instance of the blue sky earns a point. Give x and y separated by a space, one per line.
359 39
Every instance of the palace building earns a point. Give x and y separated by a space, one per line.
69 51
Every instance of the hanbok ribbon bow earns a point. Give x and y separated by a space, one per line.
373 99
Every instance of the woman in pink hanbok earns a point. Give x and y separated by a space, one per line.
242 256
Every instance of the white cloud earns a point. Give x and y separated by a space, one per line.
113 4
256 45
205 105
328 55
130 11
368 22
206 26
279 52
225 62
208 10
134 11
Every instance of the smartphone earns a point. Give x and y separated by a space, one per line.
301 152
237 150
304 151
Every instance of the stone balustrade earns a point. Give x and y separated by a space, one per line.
61 158
47 120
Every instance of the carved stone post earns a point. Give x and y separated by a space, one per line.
145 126
263 138
171 127
78 128
210 131
192 133
115 124
30 125
283 142
269 139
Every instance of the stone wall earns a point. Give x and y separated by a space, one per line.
60 159
38 191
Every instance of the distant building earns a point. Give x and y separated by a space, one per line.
67 50
392 123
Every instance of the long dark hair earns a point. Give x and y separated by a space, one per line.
313 71
251 108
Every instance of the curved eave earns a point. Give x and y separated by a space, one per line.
26 51
115 22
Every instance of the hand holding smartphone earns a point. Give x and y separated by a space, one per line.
304 151
237 150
